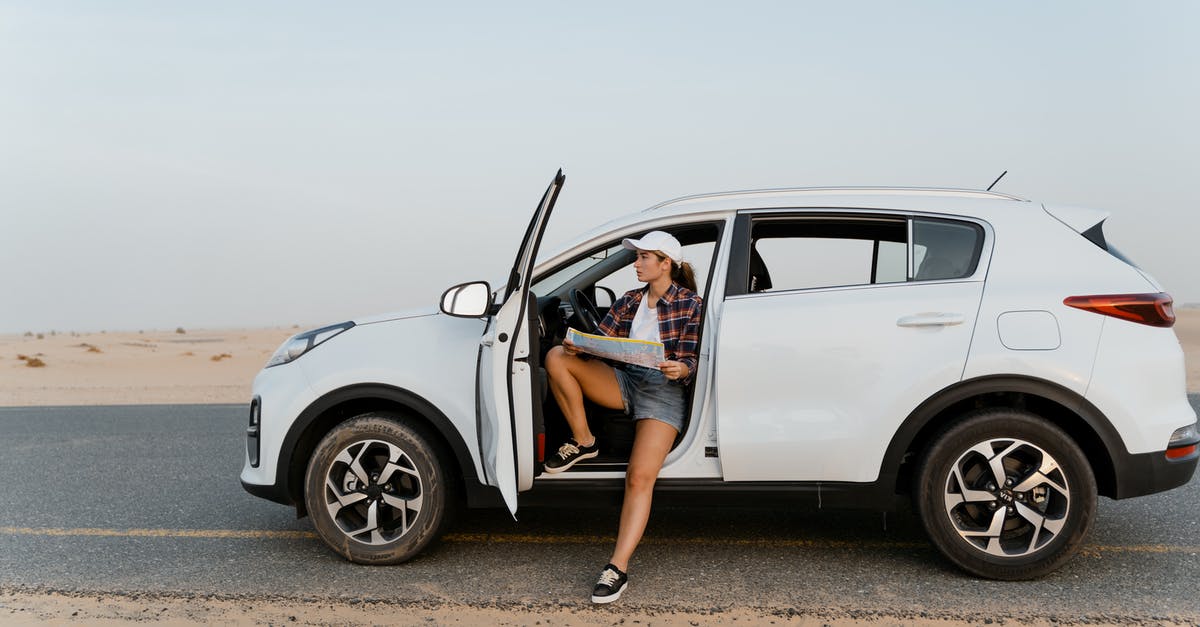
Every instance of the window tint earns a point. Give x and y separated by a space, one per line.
943 249
805 253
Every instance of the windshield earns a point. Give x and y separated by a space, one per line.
552 282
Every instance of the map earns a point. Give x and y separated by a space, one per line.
640 352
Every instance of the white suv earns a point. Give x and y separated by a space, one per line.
992 359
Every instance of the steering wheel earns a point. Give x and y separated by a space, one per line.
585 317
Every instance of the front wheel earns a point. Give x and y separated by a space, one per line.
375 489
1005 494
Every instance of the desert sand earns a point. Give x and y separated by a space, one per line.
128 368
18 607
1187 328
211 365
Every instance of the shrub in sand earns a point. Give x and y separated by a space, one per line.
22 357
41 336
221 356
188 354
180 330
92 349
29 334
34 362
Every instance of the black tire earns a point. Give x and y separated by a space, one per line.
410 508
1024 529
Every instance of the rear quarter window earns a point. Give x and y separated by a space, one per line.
945 249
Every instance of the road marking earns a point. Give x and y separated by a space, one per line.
519 538
156 533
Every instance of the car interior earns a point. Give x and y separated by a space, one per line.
579 294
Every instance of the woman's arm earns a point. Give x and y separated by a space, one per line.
685 353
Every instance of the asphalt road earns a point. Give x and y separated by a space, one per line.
141 499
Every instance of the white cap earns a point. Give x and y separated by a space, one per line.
664 243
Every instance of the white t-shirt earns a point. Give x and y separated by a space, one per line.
645 322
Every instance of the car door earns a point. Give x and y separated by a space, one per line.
504 399
822 354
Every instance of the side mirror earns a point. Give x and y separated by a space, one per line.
468 300
612 297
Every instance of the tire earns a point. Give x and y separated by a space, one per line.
1021 526
377 490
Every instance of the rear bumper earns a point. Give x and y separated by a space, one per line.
1150 473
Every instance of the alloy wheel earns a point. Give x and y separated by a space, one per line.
373 492
1007 497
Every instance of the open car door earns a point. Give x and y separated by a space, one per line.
503 393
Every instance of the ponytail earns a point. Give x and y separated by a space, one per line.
681 271
683 274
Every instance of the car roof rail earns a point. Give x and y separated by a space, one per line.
915 191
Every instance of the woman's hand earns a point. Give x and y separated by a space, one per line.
674 370
570 348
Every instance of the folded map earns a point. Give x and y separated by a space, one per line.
640 352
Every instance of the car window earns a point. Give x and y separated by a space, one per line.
805 253
698 255
945 249
555 280
612 265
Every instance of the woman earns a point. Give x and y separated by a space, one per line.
666 310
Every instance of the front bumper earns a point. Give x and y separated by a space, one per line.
280 394
271 492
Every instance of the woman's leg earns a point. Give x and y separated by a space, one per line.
651 444
572 378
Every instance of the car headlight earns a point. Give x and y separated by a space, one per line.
301 343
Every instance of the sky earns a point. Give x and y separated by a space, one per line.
219 164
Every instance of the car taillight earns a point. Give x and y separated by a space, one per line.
1180 452
1152 309
1183 442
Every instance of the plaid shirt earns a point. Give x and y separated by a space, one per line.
679 313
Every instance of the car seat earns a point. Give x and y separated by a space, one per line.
760 279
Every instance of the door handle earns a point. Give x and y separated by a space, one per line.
931 319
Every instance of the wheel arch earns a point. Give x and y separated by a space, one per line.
335 407
1074 414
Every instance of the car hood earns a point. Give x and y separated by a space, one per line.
431 310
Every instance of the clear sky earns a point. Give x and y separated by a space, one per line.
211 164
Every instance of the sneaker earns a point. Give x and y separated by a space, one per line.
611 584
569 454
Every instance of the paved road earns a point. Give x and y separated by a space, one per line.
146 499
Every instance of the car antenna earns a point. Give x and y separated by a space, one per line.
997 180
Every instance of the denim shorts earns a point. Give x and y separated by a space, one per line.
646 394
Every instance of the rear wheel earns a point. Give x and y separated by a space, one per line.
376 490
1005 494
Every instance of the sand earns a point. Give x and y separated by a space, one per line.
197 366
1187 329
19 607
211 365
